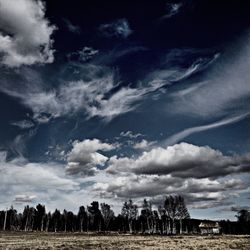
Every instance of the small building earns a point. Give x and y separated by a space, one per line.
211 227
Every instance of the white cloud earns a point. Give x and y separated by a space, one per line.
84 55
198 65
181 160
155 188
46 183
71 27
119 28
91 95
130 134
24 198
143 144
25 36
83 159
19 175
189 131
172 9
23 124
205 177
226 86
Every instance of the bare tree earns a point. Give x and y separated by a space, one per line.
48 220
171 206
164 219
5 219
29 215
130 212
182 211
107 214
147 215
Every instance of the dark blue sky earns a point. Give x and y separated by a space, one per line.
104 99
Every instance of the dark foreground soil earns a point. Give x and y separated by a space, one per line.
65 241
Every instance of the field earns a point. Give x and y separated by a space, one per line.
66 241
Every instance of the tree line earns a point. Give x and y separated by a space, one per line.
172 217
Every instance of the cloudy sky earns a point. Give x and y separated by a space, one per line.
111 100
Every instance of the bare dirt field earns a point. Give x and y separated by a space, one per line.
65 241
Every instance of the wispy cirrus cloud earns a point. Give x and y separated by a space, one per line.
97 94
119 28
198 65
83 55
71 27
226 86
189 131
172 9
130 134
23 124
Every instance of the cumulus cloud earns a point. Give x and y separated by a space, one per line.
204 176
83 159
155 188
19 174
182 160
143 144
119 28
25 36
29 182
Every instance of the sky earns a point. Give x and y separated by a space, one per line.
117 100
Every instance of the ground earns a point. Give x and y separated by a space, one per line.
66 241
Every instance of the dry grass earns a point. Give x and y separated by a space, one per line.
19 240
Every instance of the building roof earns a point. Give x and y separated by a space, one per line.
210 224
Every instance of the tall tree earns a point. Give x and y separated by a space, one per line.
5 219
107 214
48 221
65 218
41 212
182 211
147 215
171 205
82 217
95 215
243 215
164 219
130 212
56 218
29 214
